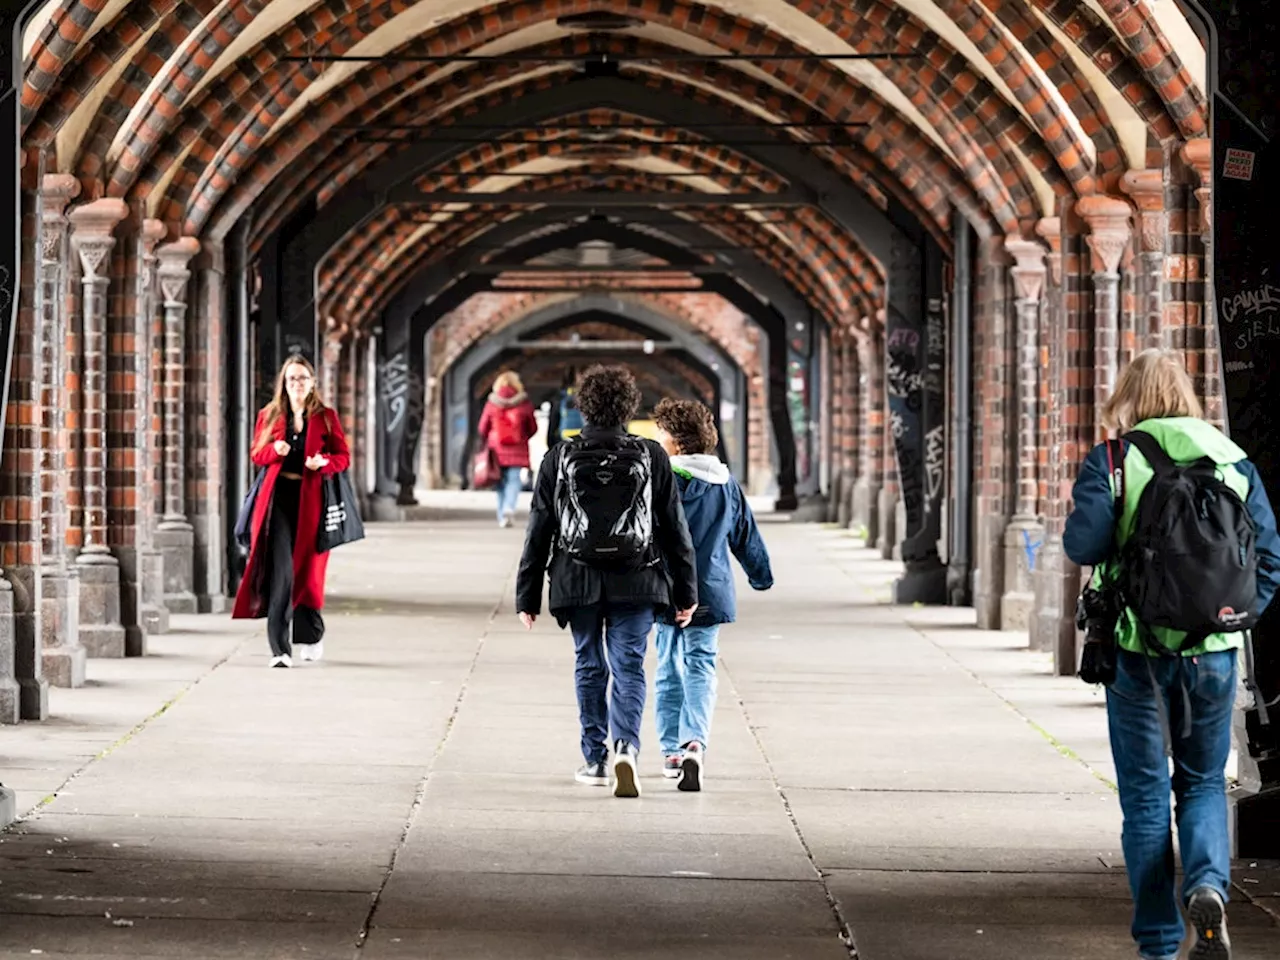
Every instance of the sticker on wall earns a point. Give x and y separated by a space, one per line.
1238 164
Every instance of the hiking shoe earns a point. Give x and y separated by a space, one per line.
284 660
626 781
593 774
671 765
691 768
1208 915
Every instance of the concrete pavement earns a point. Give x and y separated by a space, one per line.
883 779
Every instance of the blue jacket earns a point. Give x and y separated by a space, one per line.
1090 528
720 522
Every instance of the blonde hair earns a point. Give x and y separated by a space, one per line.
1154 385
508 378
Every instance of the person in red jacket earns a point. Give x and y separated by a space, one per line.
297 440
506 426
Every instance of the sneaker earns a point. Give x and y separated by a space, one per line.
691 768
593 774
671 765
1208 915
311 651
284 660
626 782
505 521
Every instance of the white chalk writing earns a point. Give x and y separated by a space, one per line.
395 389
933 457
896 427
1259 328
1264 300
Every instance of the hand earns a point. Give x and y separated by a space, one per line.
282 448
528 619
317 461
685 617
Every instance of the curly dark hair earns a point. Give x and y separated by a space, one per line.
608 396
689 423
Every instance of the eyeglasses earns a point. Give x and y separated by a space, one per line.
299 380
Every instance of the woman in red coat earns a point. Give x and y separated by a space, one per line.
298 440
506 426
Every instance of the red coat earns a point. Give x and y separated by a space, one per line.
324 435
507 425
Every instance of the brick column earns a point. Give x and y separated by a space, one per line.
834 423
362 434
64 655
1146 189
205 424
331 354
866 489
1024 536
91 234
1108 220
847 460
1198 155
153 615
175 537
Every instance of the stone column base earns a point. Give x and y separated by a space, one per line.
101 633
8 807
900 525
153 615
28 644
64 656
176 541
1048 610
887 536
843 505
866 513
988 569
10 701
1023 541
214 603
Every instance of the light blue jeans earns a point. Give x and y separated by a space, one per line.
1206 686
685 688
509 491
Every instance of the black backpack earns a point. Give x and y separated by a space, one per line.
604 502
1189 563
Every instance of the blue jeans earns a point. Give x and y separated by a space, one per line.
621 632
509 491
685 693
1198 783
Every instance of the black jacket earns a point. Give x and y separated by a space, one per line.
671 583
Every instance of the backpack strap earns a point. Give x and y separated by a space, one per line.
1115 469
1150 448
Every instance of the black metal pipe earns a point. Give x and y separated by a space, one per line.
239 371
959 560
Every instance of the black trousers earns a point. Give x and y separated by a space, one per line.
308 625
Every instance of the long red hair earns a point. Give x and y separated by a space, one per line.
279 406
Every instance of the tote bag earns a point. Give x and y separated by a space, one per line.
244 522
485 471
339 517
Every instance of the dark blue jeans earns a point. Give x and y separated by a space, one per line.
621 632
1198 783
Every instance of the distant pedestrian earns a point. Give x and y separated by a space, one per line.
1167 688
297 440
506 426
607 522
720 522
565 419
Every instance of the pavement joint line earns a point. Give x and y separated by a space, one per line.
34 812
845 932
420 792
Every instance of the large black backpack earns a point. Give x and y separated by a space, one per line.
604 501
1189 562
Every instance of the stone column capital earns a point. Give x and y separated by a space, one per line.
56 191
1028 270
1146 189
1108 221
1198 155
152 233
92 233
1049 229
173 271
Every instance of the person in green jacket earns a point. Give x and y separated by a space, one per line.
1198 687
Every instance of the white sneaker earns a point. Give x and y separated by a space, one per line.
505 521
282 661
311 651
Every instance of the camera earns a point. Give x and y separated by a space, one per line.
1097 613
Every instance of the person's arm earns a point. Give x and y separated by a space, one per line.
486 422
1267 544
539 537
263 453
1091 526
747 544
530 423
337 451
672 531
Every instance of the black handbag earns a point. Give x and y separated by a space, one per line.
244 522
339 517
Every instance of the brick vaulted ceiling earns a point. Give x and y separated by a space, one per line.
1009 111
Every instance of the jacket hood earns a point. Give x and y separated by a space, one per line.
1189 438
508 397
701 466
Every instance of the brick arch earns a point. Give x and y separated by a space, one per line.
908 165
976 139
864 286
